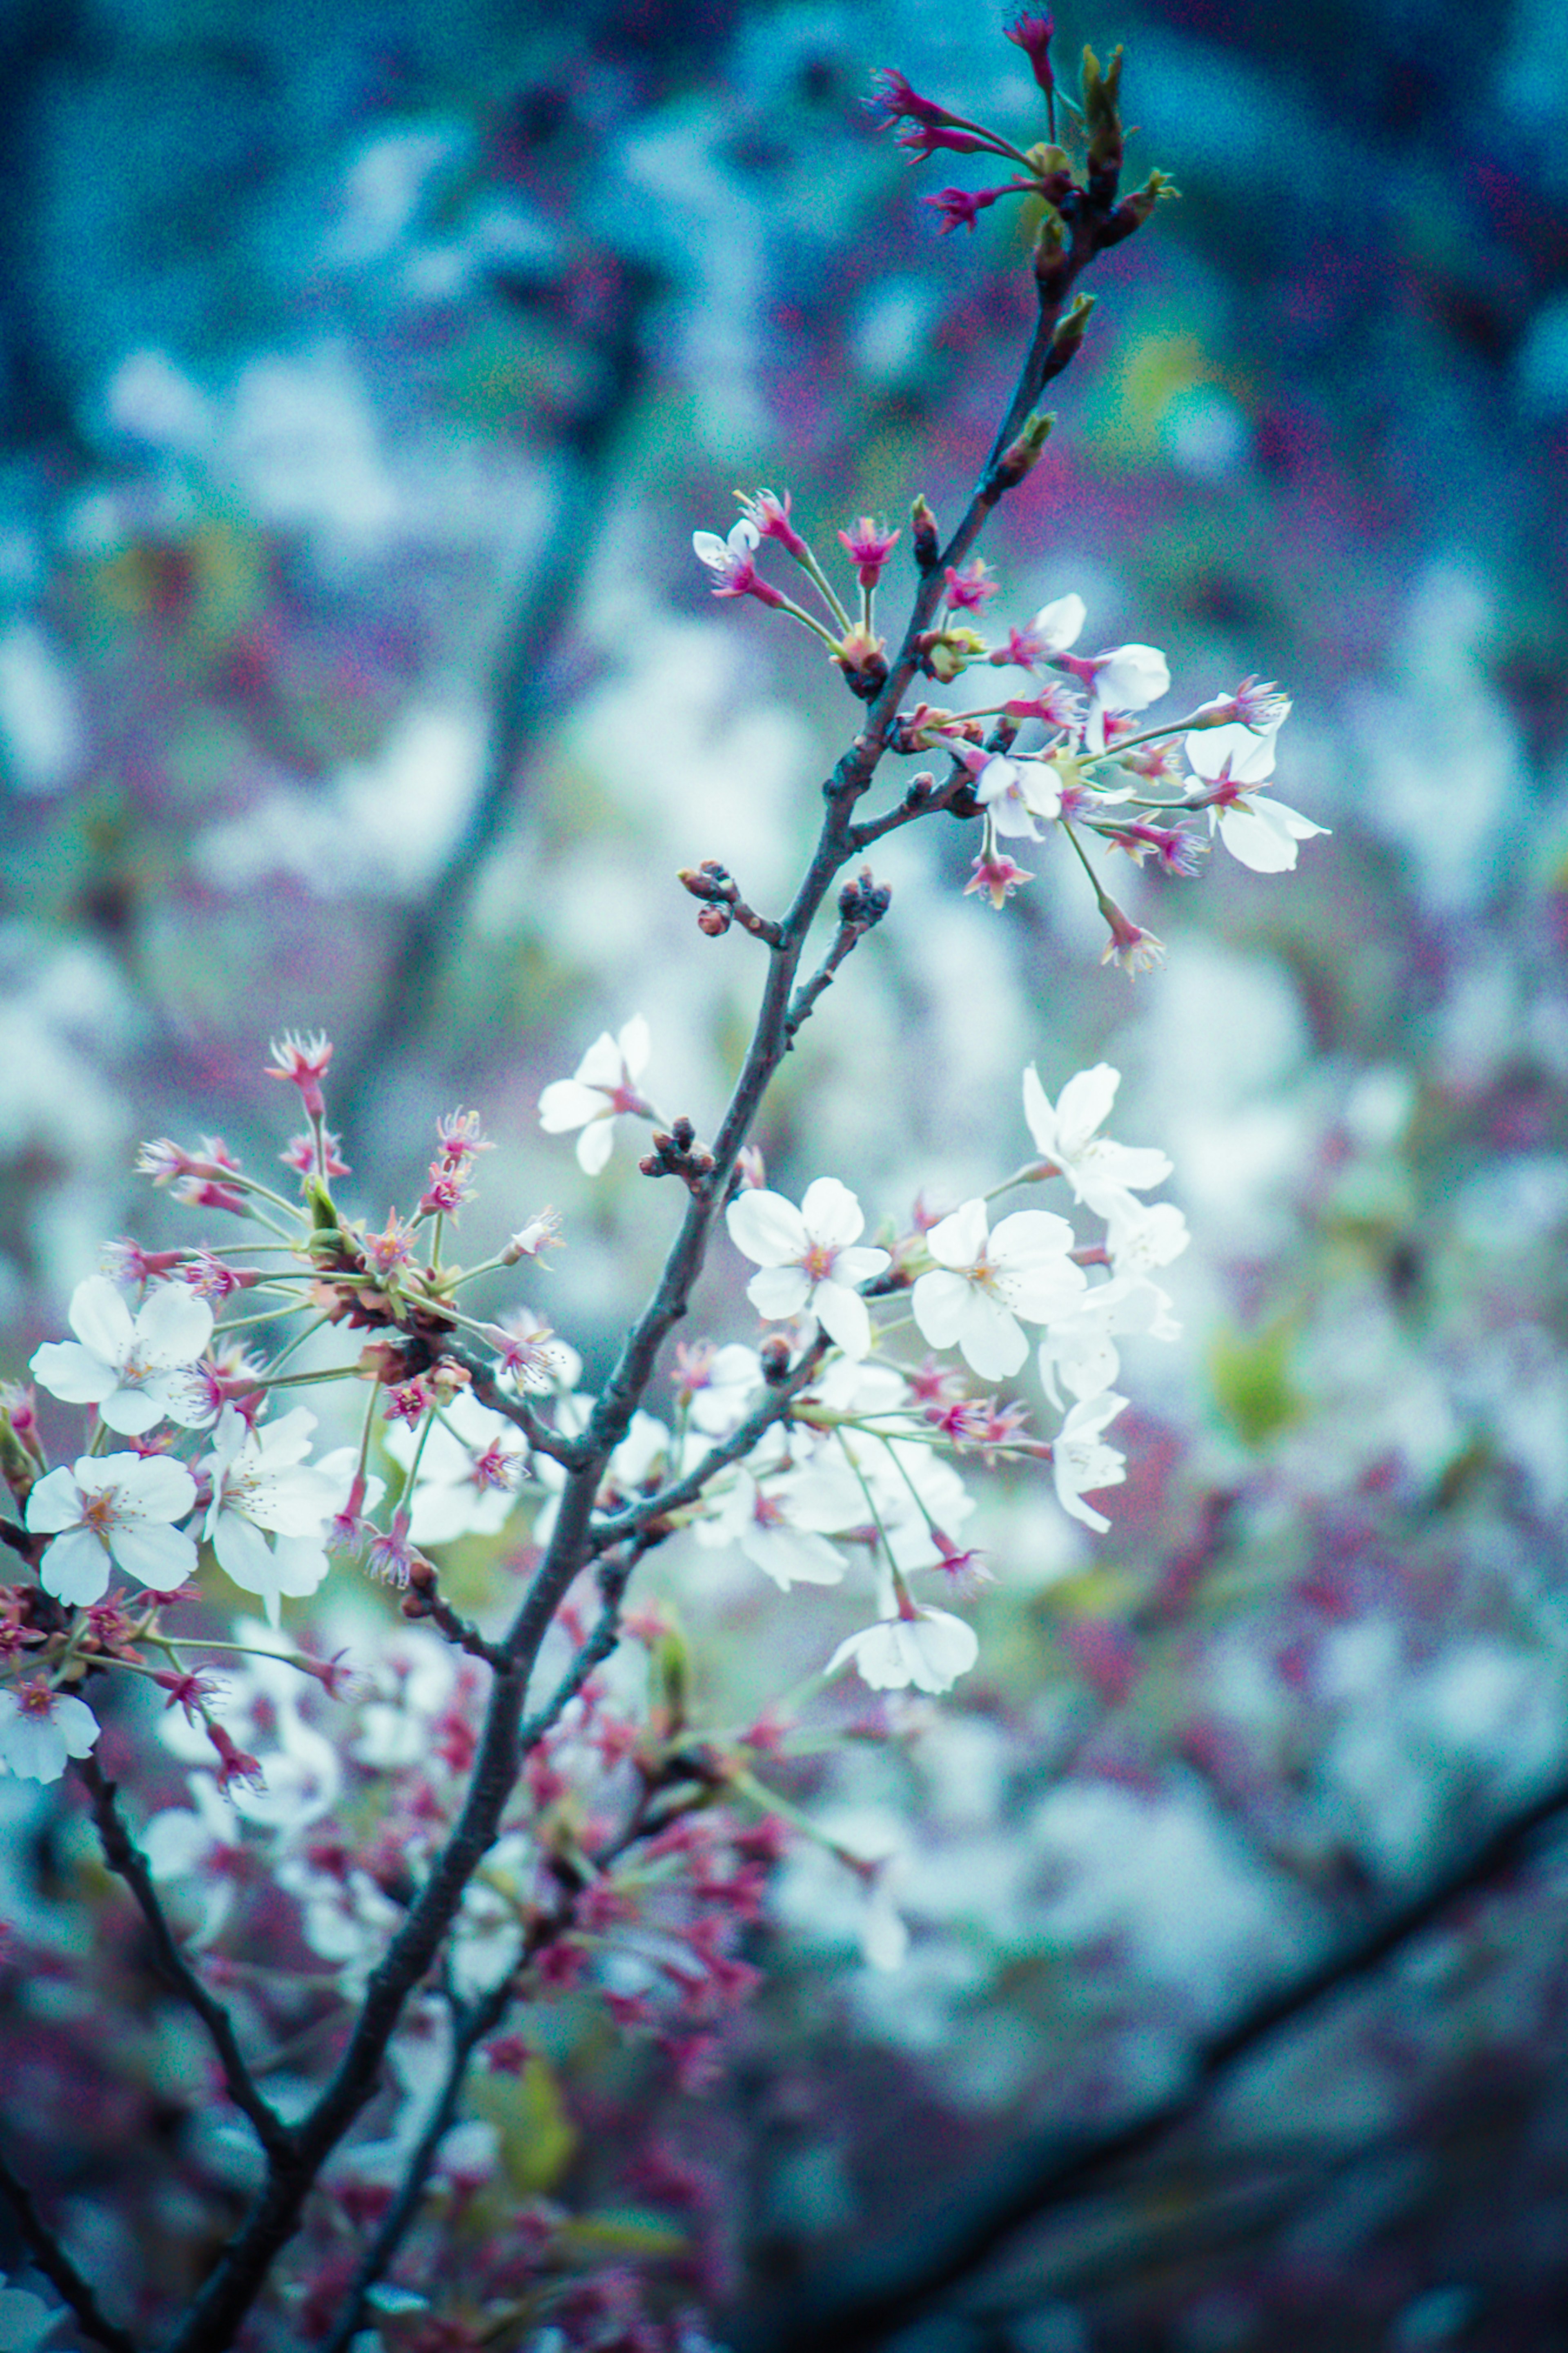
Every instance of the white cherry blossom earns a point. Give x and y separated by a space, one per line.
1139 1234
1102 1174
135 1369
1081 1347
1081 1460
811 1259
982 1283
1018 792
40 1728
928 1648
1127 678
724 558
1237 763
601 1088
269 1508
1056 625
471 1464
113 1510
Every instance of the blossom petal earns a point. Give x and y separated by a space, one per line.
842 1315
75 1375
174 1325
100 1319
831 1214
779 1291
75 1567
159 1556
595 1144
767 1227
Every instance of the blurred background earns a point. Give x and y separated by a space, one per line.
364 373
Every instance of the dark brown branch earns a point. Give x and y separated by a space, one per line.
868 2301
468 2030
126 1860
50 2258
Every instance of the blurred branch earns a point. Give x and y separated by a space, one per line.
864 2302
521 692
50 2258
127 1861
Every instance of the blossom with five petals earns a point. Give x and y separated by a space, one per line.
1235 764
1102 1174
811 1259
135 1370
982 1283
603 1085
40 1728
262 1487
113 1508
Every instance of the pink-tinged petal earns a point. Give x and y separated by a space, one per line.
75 1567
100 1319
130 1413
940 1300
767 1227
959 1240
600 1067
155 1485
594 1145
779 1291
843 1316
174 1325
831 1214
565 1105
54 1503
72 1373
991 1341
159 1557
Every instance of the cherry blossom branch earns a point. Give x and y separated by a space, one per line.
568 1452
125 1859
741 1441
468 2030
228 2293
866 2303
50 2258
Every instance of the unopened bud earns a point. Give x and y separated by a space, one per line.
773 1354
1070 331
1021 456
714 921
669 1681
923 532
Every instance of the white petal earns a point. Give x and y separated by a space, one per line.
1057 626
779 1291
767 1227
75 1567
1084 1104
831 1214
160 1557
100 1319
595 1144
73 1374
174 1325
636 1042
565 1103
959 1240
844 1317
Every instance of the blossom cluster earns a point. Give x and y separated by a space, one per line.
821 1442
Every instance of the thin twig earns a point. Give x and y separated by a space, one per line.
124 1858
50 2258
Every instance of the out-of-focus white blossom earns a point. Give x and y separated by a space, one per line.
601 1088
